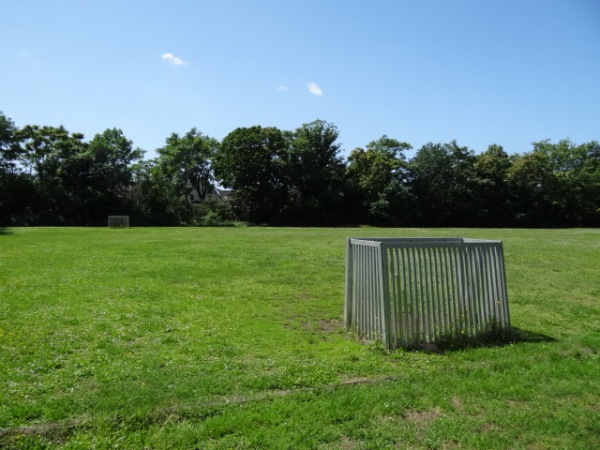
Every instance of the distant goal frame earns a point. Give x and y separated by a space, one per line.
118 221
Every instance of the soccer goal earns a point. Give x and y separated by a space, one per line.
118 221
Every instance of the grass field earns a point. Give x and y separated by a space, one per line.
233 338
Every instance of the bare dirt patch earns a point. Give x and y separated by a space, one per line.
330 325
422 418
345 443
327 326
55 432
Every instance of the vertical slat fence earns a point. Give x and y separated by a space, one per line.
408 292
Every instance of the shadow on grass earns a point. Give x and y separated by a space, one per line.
491 339
5 231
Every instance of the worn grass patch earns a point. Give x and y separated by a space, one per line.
233 338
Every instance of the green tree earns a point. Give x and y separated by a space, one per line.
533 186
16 187
252 161
109 158
112 157
76 182
377 178
444 181
59 164
491 168
574 192
188 159
184 166
586 185
389 146
154 198
316 176
7 147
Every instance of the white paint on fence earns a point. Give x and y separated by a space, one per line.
412 291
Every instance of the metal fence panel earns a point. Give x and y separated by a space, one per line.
414 291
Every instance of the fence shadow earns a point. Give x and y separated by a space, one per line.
495 339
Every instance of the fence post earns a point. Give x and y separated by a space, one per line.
384 294
349 294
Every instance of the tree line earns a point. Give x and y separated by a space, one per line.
50 176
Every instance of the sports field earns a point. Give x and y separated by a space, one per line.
179 338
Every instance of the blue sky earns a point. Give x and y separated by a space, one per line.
509 72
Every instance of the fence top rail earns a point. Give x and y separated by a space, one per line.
420 242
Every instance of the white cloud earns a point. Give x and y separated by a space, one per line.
281 88
314 89
173 60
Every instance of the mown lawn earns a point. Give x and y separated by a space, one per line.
233 338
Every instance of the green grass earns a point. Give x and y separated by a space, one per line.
233 338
